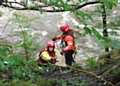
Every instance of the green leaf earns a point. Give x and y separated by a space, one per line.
108 4
18 72
87 30
31 76
80 0
114 1
35 18
40 10
54 9
96 33
25 2
1 63
2 67
115 44
10 4
1 13
81 14
23 74
54 1
2 52
12 60
1 82
101 0
117 23
89 17
106 39
65 6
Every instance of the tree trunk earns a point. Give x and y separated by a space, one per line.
105 32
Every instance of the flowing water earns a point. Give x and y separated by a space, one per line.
47 26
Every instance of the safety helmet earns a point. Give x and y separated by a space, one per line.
50 44
64 27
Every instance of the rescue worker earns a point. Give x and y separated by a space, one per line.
47 54
67 42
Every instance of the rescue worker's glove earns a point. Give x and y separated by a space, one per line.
53 39
62 52
53 59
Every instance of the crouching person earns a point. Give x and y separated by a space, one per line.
47 55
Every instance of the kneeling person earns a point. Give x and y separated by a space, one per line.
47 54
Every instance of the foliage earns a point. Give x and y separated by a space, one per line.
90 62
13 64
19 83
5 50
14 72
112 43
1 13
26 42
76 83
44 82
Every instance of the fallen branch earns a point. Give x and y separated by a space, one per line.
107 72
99 77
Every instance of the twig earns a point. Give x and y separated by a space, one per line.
99 77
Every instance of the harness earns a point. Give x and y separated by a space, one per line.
63 43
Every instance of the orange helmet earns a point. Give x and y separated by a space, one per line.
64 27
50 44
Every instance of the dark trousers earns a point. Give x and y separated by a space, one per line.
69 57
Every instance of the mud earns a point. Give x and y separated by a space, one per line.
70 76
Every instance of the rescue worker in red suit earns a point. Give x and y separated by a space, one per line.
47 54
68 44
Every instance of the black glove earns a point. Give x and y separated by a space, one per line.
62 52
53 60
53 39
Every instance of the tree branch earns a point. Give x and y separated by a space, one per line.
57 10
86 3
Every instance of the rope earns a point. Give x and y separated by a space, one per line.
60 69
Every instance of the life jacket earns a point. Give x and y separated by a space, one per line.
50 54
63 42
